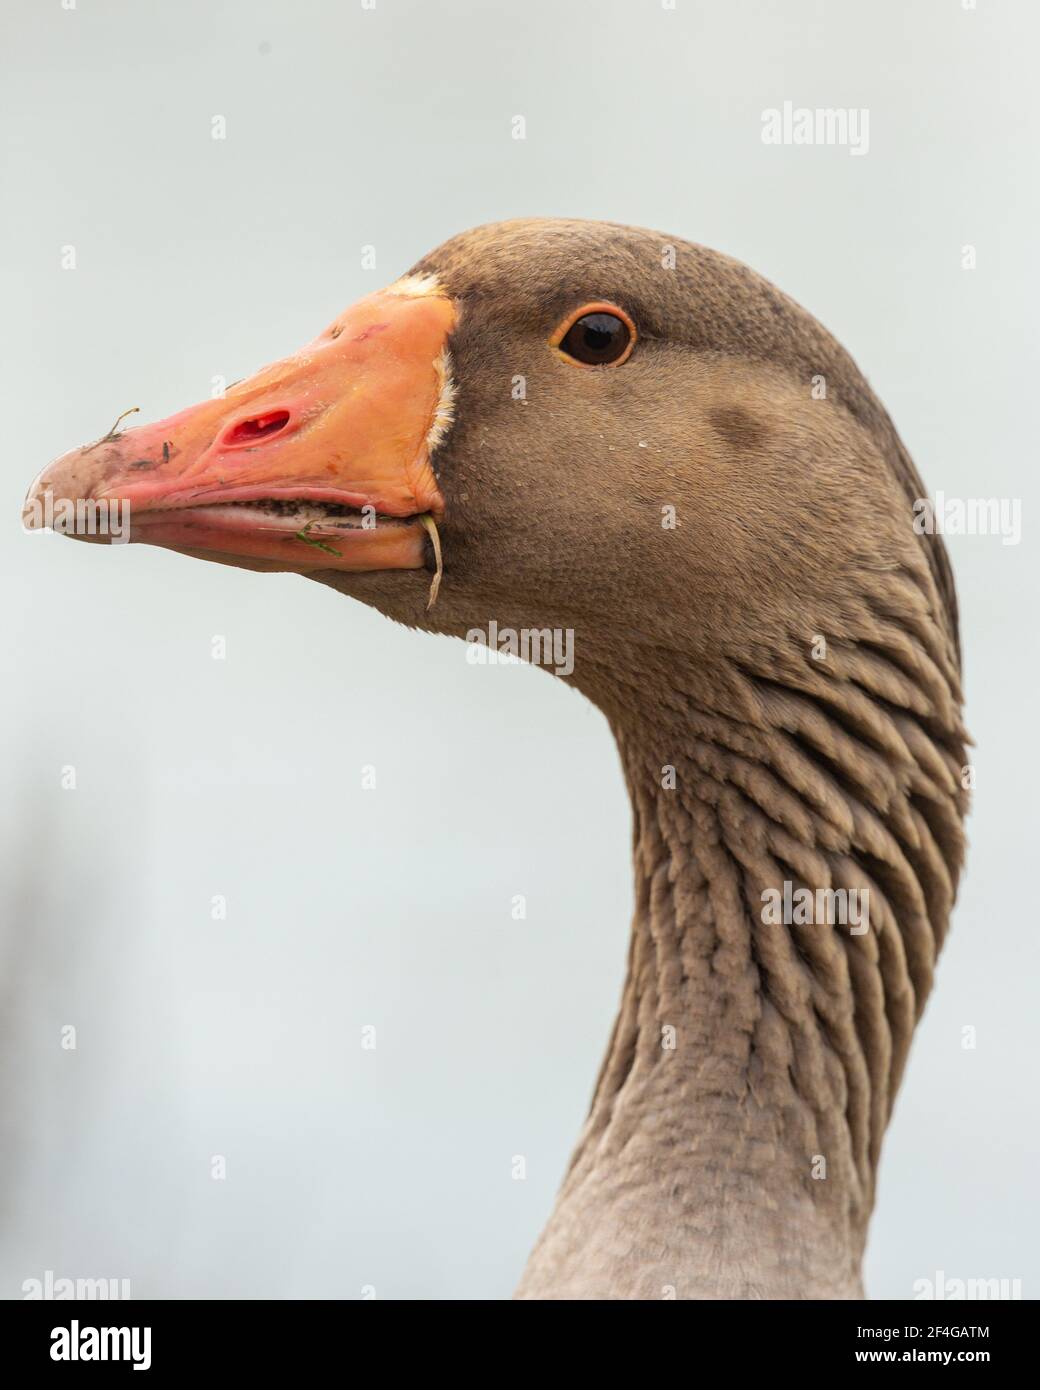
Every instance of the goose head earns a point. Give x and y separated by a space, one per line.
615 434
612 431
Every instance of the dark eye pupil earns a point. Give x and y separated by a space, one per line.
596 338
598 331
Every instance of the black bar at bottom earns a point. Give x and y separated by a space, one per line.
174 1339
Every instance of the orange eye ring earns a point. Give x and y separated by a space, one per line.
590 310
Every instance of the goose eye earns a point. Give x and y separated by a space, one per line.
601 336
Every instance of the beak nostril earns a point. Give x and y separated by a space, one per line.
256 429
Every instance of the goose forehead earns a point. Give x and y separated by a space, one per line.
530 272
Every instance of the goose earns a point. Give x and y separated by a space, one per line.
589 428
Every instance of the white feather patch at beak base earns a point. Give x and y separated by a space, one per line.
416 286
444 411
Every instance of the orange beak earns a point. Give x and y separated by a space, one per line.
319 461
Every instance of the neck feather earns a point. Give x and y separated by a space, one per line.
734 1133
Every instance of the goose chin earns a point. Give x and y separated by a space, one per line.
301 538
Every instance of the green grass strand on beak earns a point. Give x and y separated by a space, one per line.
308 540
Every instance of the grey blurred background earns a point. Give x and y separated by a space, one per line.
391 127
